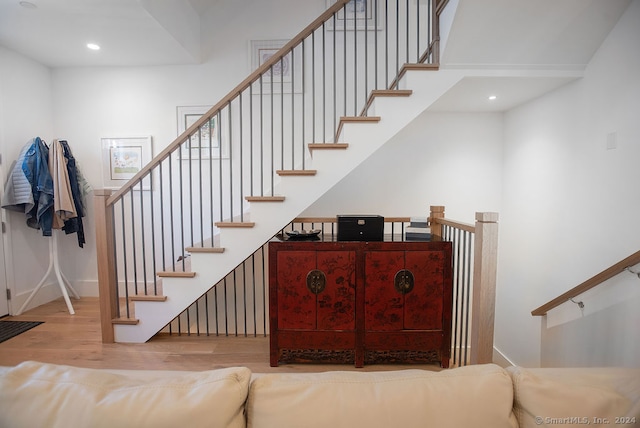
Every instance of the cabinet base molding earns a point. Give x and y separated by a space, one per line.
329 356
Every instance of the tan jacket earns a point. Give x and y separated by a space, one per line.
63 205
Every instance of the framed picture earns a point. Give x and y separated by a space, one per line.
285 73
123 158
203 146
358 14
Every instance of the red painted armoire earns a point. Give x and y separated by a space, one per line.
360 302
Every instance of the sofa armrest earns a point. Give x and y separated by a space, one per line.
576 396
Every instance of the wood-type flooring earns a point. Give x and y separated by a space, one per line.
76 340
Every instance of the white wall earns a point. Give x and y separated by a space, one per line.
601 333
26 111
570 207
450 159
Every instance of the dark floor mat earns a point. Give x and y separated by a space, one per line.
9 329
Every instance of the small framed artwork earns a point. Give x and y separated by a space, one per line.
358 14
123 158
285 74
206 144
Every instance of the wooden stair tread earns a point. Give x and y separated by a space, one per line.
229 224
328 146
384 93
125 321
420 66
264 198
176 274
415 66
148 298
294 172
314 220
355 119
205 250
391 93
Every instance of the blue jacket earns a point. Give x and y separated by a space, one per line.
36 169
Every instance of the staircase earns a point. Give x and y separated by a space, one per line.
329 162
216 212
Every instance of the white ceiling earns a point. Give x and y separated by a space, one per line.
130 32
530 33
547 42
516 34
472 94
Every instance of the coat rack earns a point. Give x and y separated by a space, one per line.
62 180
63 282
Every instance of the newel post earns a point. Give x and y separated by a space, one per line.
106 264
484 287
437 212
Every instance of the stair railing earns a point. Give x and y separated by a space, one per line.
236 151
475 261
623 265
237 305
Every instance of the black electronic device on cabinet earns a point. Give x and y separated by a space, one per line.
360 228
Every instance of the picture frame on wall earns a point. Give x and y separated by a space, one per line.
285 74
206 145
358 14
123 158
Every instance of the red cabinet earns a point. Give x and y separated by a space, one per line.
316 290
404 290
361 302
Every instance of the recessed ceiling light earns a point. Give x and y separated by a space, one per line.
28 5
93 46
492 97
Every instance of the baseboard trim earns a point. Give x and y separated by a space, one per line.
46 294
51 291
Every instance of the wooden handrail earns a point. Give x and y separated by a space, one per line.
273 60
467 227
440 5
335 220
598 279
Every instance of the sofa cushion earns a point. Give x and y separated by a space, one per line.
576 396
475 396
45 395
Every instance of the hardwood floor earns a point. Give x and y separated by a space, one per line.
76 340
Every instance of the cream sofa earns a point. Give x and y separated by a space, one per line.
36 395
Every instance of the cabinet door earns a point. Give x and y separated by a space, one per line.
383 303
328 306
423 305
296 304
336 303
418 304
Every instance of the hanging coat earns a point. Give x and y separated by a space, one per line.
17 191
64 208
74 225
